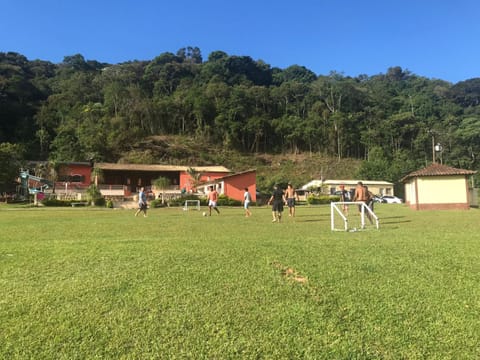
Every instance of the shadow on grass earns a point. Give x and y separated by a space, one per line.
311 218
394 217
390 220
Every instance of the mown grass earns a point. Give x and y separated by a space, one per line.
102 284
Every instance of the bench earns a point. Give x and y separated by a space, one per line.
75 204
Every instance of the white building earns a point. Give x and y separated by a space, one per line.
330 186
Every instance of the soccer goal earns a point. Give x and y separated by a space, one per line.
352 216
191 204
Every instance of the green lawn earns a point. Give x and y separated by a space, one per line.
102 284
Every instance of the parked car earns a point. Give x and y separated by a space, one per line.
389 199
379 199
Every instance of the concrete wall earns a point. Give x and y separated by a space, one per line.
442 190
437 192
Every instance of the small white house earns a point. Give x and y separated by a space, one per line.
439 187
330 186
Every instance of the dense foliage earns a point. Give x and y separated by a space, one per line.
10 161
86 110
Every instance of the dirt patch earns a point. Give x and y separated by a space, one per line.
289 273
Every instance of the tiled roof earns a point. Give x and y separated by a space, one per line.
230 176
438 170
148 167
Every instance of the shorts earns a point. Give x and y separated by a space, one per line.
246 204
212 203
277 206
142 206
291 202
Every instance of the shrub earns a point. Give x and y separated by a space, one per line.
158 203
94 195
321 199
226 201
100 201
180 201
55 202
222 200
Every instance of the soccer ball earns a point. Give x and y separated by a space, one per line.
204 213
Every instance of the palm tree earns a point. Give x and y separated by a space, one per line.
162 183
195 176
96 176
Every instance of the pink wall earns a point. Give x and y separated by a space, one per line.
187 183
235 185
77 169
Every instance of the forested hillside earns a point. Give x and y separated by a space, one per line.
81 110
271 168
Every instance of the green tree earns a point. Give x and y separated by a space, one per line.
11 158
195 176
376 167
94 196
162 183
294 73
467 138
190 54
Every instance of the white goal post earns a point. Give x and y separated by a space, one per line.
191 204
352 216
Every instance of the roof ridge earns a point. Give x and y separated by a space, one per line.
436 169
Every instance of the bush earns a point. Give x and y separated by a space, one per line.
100 201
94 195
321 199
226 201
109 204
180 201
55 202
222 201
157 203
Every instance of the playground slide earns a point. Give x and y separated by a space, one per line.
26 177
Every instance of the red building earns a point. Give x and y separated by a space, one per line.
134 176
125 179
75 173
233 185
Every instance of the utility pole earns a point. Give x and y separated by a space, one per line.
433 147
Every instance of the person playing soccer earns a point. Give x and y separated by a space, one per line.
247 199
142 202
212 200
344 197
359 194
277 200
291 196
369 202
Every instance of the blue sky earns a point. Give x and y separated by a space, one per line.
433 38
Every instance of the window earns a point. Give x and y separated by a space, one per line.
77 178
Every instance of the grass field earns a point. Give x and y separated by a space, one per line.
102 284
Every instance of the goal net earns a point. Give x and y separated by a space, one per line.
191 204
352 216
